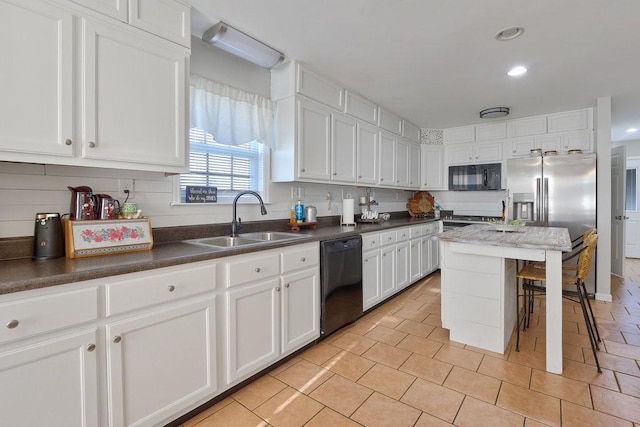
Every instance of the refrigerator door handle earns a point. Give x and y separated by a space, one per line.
546 202
538 202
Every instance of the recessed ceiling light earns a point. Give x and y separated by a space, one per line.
509 33
517 71
631 130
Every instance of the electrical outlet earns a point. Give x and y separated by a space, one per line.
125 185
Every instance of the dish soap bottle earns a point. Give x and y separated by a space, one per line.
299 211
292 213
436 212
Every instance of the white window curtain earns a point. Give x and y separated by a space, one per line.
231 115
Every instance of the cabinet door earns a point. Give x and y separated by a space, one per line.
522 146
460 153
433 171
489 151
568 121
415 260
314 141
51 383
387 159
578 141
132 115
402 163
414 166
161 362
253 328
387 271
402 265
549 143
168 19
425 255
114 8
434 253
343 149
36 105
367 154
371 292
300 309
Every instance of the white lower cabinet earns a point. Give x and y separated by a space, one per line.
160 362
253 328
392 260
50 382
272 309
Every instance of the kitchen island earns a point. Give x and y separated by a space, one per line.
479 284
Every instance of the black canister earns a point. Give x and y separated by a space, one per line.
48 239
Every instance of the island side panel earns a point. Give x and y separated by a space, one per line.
478 296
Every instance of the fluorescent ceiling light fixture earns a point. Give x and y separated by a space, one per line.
631 130
238 43
494 113
517 71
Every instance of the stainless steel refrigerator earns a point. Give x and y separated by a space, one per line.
555 191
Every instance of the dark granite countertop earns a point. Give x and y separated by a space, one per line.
169 249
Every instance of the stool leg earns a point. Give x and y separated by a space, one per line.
593 317
587 321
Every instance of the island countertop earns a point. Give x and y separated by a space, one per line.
546 238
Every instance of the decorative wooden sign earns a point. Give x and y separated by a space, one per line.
107 236
196 194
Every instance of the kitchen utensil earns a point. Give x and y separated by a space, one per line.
108 207
310 214
83 203
48 239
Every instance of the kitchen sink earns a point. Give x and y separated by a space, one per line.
245 239
271 236
225 241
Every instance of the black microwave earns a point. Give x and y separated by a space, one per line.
475 177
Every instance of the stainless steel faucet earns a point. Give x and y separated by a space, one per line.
236 224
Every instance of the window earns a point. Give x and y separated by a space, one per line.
227 167
631 200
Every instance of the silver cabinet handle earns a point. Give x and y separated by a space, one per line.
335 173
302 170
286 286
117 339
68 142
278 289
12 324
303 259
91 347
381 179
171 288
359 176
257 270
92 144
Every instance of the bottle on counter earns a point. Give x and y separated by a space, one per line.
299 211
292 213
436 211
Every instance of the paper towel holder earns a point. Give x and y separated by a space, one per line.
347 217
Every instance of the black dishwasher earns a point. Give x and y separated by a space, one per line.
340 283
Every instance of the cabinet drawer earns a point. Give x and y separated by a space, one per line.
361 108
320 89
491 131
528 126
167 19
417 232
158 286
459 135
370 241
31 316
387 238
403 234
245 269
300 257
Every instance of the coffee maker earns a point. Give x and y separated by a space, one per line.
48 239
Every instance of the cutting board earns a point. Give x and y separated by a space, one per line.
421 203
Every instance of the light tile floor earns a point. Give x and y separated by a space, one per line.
396 367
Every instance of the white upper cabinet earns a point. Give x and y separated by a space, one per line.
116 9
367 154
414 166
293 78
343 148
411 131
390 121
314 141
528 126
433 170
36 104
491 132
402 162
132 115
459 135
361 108
169 19
570 121
387 159
130 111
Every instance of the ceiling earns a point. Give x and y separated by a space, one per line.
437 63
